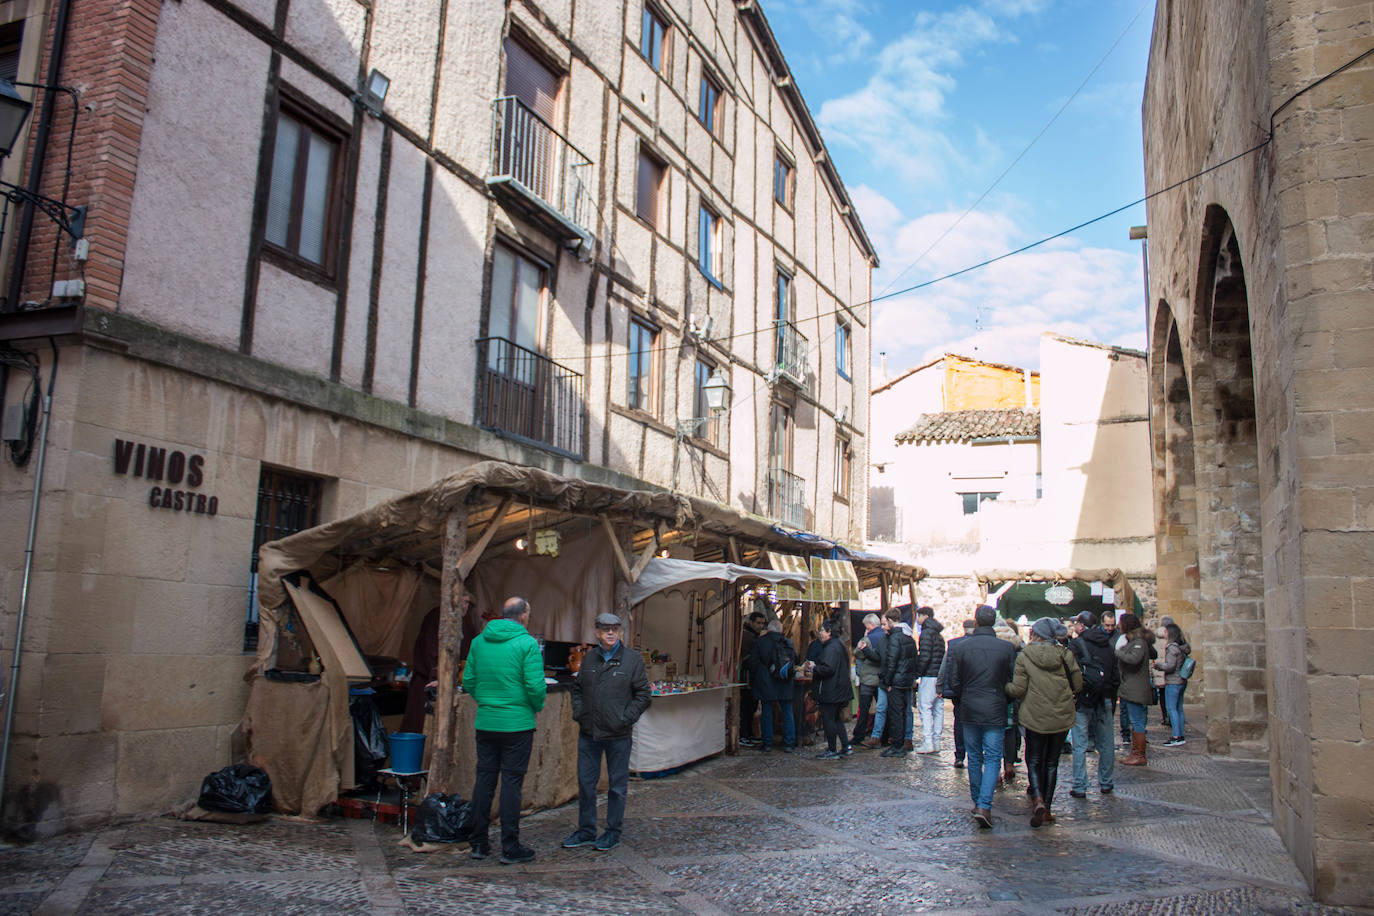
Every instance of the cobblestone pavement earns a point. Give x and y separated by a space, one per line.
757 833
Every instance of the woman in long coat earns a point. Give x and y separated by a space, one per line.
833 690
1045 680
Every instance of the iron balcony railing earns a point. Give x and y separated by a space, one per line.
789 348
787 497
524 394
528 152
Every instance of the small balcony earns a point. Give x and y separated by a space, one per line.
789 347
535 169
787 497
524 395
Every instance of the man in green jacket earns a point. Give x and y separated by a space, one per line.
504 673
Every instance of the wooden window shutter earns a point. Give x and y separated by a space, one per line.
530 81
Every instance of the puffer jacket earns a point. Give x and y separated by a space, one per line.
832 673
1174 654
930 652
1045 680
767 688
609 696
504 673
1133 658
899 660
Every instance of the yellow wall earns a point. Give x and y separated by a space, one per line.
973 385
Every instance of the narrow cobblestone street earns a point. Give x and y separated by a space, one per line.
757 833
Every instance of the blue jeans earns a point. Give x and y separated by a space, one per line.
1137 713
589 753
880 716
1173 701
789 724
1098 720
983 745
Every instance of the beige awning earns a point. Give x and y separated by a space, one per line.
830 580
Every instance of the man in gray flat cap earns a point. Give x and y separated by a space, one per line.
609 695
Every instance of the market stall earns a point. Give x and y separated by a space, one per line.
1060 593
341 603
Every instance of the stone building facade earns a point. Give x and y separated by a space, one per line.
1262 396
562 225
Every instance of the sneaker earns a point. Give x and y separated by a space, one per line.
578 838
1176 742
480 850
827 755
1077 794
788 749
518 856
1106 790
893 752
750 742
927 749
607 841
847 752
959 764
983 816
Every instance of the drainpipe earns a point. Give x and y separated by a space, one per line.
28 575
40 153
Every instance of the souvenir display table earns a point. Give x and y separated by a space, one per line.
685 722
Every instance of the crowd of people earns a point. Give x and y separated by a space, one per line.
1051 691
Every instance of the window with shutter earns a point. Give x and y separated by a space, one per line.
11 40
649 188
532 82
302 197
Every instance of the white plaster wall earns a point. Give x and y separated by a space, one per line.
330 32
395 316
294 321
405 37
360 258
599 30
468 82
189 224
316 90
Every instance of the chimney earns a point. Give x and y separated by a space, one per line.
1030 397
882 360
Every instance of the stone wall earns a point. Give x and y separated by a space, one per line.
1261 279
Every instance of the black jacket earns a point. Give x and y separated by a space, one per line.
766 687
980 666
608 697
899 660
930 652
1095 644
832 674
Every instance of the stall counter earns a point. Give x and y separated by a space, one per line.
679 728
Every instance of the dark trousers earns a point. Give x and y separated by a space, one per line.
863 724
1011 742
507 755
834 729
898 702
1042 763
959 752
748 705
589 754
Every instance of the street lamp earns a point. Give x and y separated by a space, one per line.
717 391
14 110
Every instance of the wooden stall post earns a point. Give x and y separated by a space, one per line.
444 762
911 594
883 601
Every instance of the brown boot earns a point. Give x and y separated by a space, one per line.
1038 817
871 743
1008 772
906 745
1136 758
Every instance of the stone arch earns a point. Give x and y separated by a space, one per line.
1227 490
1176 535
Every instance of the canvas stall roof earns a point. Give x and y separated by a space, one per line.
410 528
661 574
1123 597
830 580
967 425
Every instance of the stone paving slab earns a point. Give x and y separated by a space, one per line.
1237 846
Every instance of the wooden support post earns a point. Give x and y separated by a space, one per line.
911 593
616 549
443 768
735 556
883 600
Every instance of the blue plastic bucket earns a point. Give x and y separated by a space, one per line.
407 752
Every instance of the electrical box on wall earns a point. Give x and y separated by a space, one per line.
12 429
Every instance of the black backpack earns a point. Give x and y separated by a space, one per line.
1094 676
784 659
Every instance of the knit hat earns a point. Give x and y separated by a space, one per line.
1046 628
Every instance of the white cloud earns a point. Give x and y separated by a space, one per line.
838 21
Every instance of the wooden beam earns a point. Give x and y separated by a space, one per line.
474 553
734 552
615 548
443 773
911 593
649 550
882 591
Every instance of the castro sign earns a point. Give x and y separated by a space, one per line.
179 474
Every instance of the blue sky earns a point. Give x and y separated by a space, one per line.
924 104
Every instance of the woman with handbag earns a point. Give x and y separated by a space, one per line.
1171 669
1046 679
833 689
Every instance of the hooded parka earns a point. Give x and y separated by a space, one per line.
1045 680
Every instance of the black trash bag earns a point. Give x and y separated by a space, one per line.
239 789
443 819
370 744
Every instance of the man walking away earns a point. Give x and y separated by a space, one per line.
609 695
774 664
869 656
930 655
1093 706
942 691
979 668
899 674
748 703
504 674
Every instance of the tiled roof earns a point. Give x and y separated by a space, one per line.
963 425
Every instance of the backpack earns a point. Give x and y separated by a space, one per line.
1186 669
1094 678
784 659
